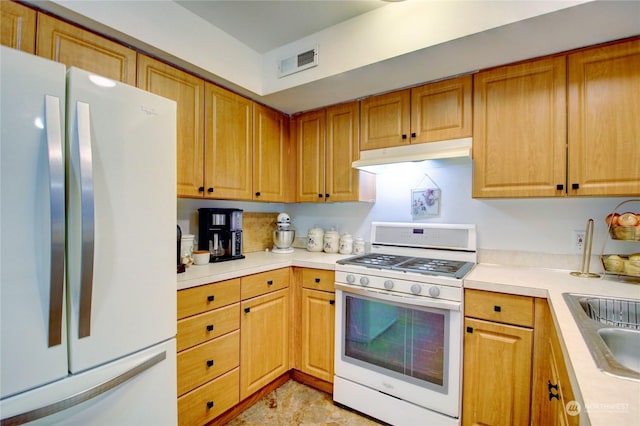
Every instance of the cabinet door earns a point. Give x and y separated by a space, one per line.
309 131
264 337
318 311
553 400
497 373
441 110
18 26
519 132
75 47
342 180
228 144
188 92
604 128
385 120
272 157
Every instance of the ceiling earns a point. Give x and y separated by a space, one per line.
266 25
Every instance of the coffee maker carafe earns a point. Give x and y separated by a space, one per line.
220 232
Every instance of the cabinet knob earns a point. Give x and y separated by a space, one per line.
258 194
247 310
317 280
270 282
210 327
326 195
404 137
413 135
201 189
559 187
332 302
575 186
210 190
319 195
209 404
469 329
497 308
210 298
209 363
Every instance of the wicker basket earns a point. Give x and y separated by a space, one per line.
628 233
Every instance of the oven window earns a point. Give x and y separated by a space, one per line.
404 341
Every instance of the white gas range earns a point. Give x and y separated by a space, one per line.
399 323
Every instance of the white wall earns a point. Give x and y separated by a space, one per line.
532 225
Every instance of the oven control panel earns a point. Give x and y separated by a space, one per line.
419 289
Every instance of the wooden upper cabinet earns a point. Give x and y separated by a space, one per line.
519 130
75 47
441 110
385 120
343 182
604 120
188 92
309 131
228 144
18 26
273 165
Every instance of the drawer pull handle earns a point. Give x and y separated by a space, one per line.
209 405
559 187
575 186
469 329
247 310
209 363
210 327
317 280
332 302
210 298
497 308
270 282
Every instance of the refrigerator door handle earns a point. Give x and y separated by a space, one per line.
88 219
56 195
84 395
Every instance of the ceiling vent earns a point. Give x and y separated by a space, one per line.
298 62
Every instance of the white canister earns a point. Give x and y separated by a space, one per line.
331 241
186 245
358 246
315 239
346 244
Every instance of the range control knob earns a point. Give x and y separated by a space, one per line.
351 279
434 291
364 280
416 289
388 284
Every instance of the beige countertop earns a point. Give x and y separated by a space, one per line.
608 400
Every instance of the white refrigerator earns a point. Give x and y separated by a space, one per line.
88 217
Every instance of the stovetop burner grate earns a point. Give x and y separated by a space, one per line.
421 265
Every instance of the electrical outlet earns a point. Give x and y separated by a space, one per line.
578 241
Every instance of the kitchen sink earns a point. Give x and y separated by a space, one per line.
611 330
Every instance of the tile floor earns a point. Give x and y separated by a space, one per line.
296 404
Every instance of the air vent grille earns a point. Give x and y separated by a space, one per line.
298 62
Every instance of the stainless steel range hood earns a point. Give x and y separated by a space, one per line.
378 160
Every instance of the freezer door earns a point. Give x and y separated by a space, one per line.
137 390
121 145
33 347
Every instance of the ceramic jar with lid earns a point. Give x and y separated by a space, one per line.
358 246
331 241
315 239
346 244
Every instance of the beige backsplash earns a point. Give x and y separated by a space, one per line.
257 231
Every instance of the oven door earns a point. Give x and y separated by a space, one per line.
404 346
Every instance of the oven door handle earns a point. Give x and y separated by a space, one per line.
390 296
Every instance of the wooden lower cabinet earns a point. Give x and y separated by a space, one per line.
554 402
317 332
207 402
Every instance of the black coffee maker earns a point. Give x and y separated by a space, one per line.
220 232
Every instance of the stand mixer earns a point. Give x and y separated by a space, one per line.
283 235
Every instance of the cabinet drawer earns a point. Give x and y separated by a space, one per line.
207 326
499 307
207 361
318 279
265 282
207 297
210 400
